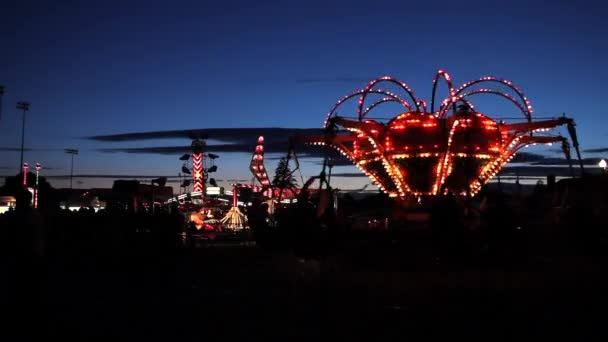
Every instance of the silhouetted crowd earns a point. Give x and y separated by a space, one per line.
33 233
496 229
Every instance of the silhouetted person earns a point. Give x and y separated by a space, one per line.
26 275
176 225
29 227
307 230
498 225
583 227
447 225
258 220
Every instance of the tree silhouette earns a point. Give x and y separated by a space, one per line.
48 196
283 176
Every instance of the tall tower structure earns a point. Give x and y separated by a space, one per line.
198 175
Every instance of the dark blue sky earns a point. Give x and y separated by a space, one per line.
131 66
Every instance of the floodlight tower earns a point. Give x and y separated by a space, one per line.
1 93
24 106
72 152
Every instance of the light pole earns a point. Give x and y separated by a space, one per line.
603 165
24 106
38 167
25 167
72 152
1 93
330 163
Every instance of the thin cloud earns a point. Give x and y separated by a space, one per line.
524 172
243 140
338 161
556 151
524 157
596 150
276 150
349 174
232 135
13 149
226 148
148 150
543 171
272 148
18 149
511 172
563 161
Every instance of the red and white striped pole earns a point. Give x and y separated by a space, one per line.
25 167
38 167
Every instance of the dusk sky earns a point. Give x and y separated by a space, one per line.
108 67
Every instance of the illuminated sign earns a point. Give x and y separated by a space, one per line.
214 190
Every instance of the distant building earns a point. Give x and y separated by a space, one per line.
133 195
125 194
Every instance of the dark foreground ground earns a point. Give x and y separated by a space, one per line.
365 291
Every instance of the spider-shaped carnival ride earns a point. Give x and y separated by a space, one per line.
429 151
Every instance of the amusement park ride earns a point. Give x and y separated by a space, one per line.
197 166
420 151
235 219
198 171
424 151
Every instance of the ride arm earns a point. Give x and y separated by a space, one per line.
521 127
540 139
364 126
307 185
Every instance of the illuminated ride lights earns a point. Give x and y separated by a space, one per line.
25 167
198 180
258 170
256 166
38 167
429 151
234 219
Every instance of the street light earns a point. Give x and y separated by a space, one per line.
24 106
1 93
603 165
72 152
